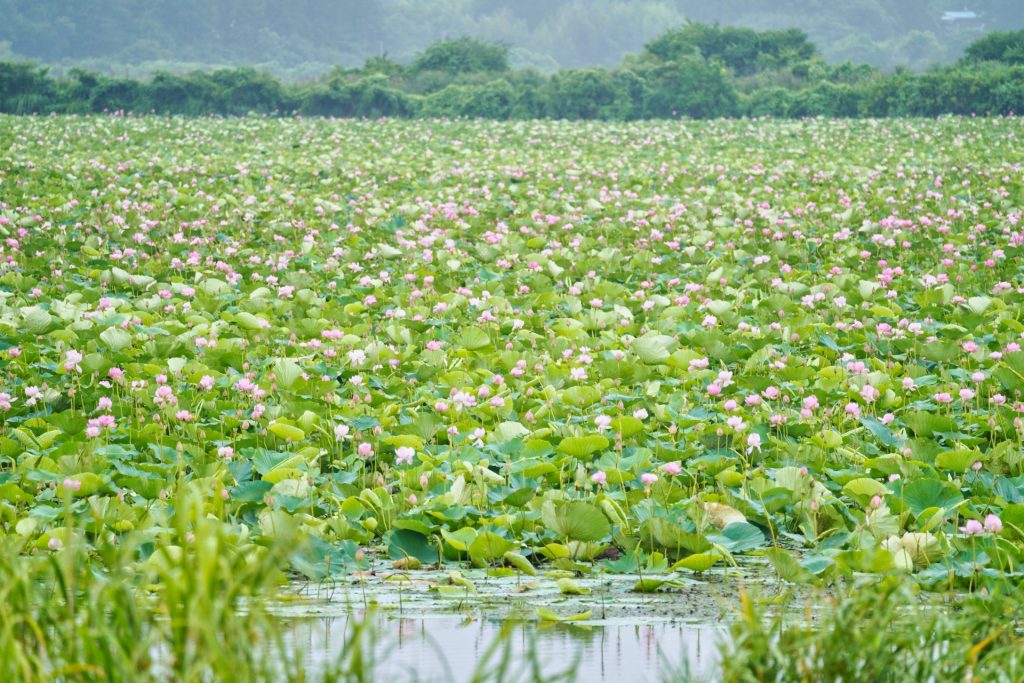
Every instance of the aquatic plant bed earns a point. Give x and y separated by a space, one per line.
573 357
594 600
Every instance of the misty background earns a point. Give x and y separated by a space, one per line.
302 39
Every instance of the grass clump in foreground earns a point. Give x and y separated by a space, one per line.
880 631
193 602
190 610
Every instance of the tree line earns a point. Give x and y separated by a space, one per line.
695 70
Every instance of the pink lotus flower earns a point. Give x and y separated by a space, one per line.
753 443
672 468
972 527
993 524
599 478
365 450
404 454
72 360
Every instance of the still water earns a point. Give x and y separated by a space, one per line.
452 648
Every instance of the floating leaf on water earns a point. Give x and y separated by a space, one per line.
547 615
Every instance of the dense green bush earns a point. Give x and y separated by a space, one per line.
461 56
998 46
743 50
695 71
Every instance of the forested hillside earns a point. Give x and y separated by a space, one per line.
302 38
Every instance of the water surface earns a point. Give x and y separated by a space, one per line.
450 648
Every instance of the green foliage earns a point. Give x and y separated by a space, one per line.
999 46
697 71
877 632
462 56
743 50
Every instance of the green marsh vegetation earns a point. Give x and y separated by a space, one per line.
240 355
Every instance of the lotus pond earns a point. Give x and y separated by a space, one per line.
600 366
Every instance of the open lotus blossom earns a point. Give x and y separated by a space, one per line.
972 527
404 454
72 360
993 524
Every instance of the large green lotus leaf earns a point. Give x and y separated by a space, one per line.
407 543
506 431
488 546
36 319
581 395
627 425
957 460
672 537
924 423
583 446
921 494
286 431
473 338
863 489
461 539
576 520
787 566
654 349
287 372
520 562
317 559
116 338
739 537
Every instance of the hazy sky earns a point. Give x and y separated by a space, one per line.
307 36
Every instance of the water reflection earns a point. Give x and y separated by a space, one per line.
449 648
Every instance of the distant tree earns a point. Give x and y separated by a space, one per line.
998 46
743 50
462 56
690 86
580 94
25 89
